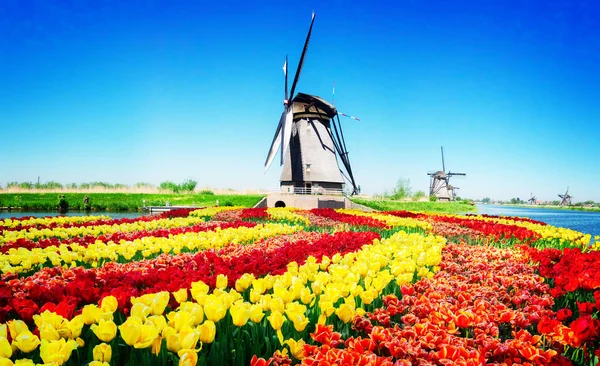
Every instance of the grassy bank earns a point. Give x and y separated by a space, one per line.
443 207
120 201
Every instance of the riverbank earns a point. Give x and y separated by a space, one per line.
552 207
121 201
391 205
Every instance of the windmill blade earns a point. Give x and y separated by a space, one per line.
301 62
338 142
286 132
349 116
285 71
275 144
443 165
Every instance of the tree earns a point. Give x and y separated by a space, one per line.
402 189
486 200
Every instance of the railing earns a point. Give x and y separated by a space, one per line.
308 191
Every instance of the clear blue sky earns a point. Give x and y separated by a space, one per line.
147 91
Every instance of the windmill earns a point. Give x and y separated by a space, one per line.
439 184
310 138
532 200
565 198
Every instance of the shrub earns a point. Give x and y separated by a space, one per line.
142 185
188 185
432 198
207 192
418 195
402 189
168 186
26 185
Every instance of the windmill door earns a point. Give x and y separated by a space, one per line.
307 188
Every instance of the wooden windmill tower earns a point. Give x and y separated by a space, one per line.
532 200
565 198
310 137
439 184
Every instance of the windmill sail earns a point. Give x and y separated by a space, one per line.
287 133
275 144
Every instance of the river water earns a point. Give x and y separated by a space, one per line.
585 222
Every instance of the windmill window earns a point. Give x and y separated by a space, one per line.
308 168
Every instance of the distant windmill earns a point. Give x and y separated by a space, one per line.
565 198
309 136
439 184
532 200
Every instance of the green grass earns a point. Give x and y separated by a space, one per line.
442 207
120 201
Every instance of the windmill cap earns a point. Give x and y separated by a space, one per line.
317 102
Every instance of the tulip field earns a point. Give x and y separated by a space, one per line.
251 286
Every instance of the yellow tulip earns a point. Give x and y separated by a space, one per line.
181 295
105 330
5 348
296 348
368 296
102 352
158 321
306 296
24 362
3 331
180 319
196 310
299 320
214 309
55 320
256 313
276 320
136 334
244 282
131 330
159 302
148 334
57 352
156 345
255 296
48 332
207 331
80 342
345 312
91 314
109 304
6 362
199 291
26 341
16 327
221 282
98 363
187 357
72 329
240 313
277 304
187 338
140 311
